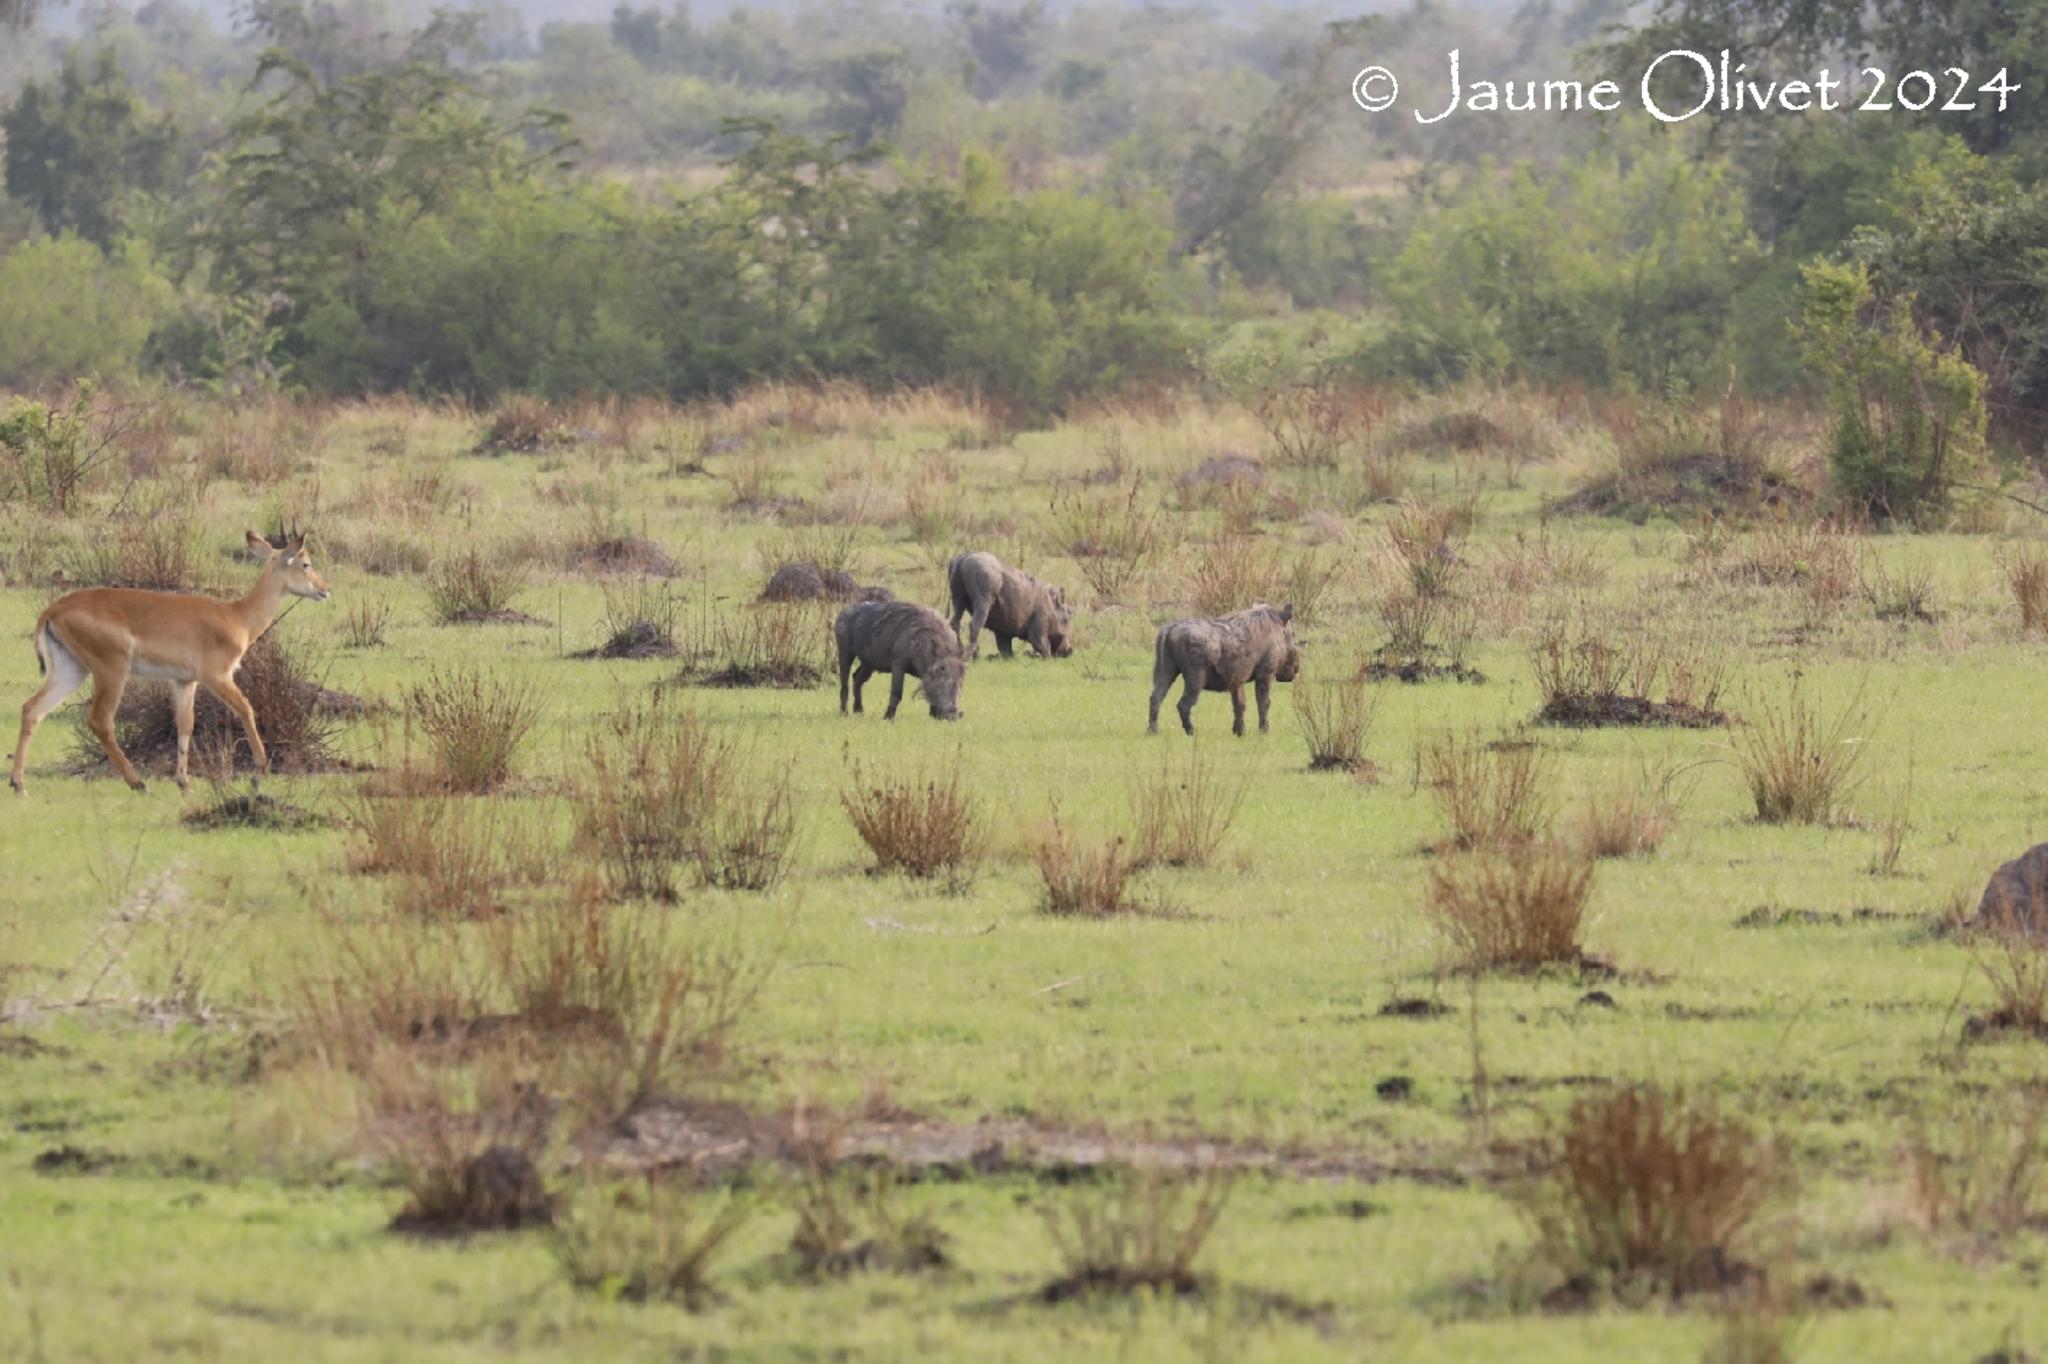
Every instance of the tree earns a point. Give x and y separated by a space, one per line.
77 148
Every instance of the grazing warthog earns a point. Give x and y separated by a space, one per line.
1010 603
901 639
1254 645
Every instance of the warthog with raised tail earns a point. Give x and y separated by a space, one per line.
1255 645
901 639
1010 603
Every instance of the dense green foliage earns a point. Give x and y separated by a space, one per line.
1037 205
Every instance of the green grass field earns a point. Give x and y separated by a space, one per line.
172 1187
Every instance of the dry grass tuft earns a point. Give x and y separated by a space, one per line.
364 618
650 1241
1631 817
1082 878
662 795
1652 1190
451 856
772 644
474 587
474 725
1595 672
1184 811
925 828
1981 1176
1801 764
2026 573
1143 1228
1519 908
851 1217
298 718
1422 540
1110 536
1336 716
1493 794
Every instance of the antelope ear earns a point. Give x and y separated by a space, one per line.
259 546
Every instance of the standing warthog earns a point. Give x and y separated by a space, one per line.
901 639
1254 645
1010 603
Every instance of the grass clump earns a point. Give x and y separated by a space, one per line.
449 856
654 1240
473 587
1800 763
1649 1191
1518 908
1142 1228
1593 672
364 618
850 1217
925 828
1082 878
1492 794
662 794
1981 1178
1336 716
1631 816
773 644
1184 811
2025 568
474 725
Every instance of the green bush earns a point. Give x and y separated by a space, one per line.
68 309
1908 417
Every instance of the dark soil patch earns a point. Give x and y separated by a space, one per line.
1396 1088
22 1047
626 554
1772 916
641 639
1352 1209
253 811
882 1257
1411 1007
1364 769
1415 671
1597 712
1095 1283
73 1160
2000 1022
1597 999
501 1191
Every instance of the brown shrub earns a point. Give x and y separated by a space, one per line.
2015 963
1421 542
1651 1189
523 424
2026 573
1080 878
1519 908
921 827
1184 811
451 856
1594 671
1230 574
1494 795
465 1143
474 724
297 717
1140 1228
852 1217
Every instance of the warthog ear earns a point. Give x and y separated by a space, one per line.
1287 611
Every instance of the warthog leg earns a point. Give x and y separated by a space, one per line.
1237 709
895 692
1263 687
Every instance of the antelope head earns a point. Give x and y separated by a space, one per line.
287 555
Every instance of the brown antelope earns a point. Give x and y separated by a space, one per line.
114 633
